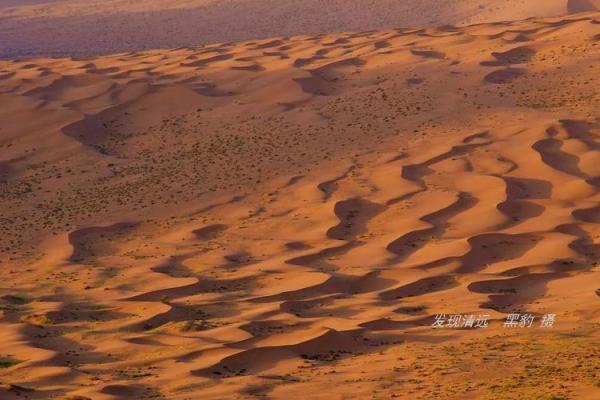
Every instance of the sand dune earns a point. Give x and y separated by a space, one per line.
277 217
84 27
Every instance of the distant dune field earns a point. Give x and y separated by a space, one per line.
286 218
83 27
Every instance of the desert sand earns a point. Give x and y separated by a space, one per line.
284 218
90 27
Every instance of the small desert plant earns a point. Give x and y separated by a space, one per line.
7 363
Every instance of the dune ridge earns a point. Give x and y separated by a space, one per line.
276 217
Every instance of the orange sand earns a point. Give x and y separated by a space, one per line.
283 218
